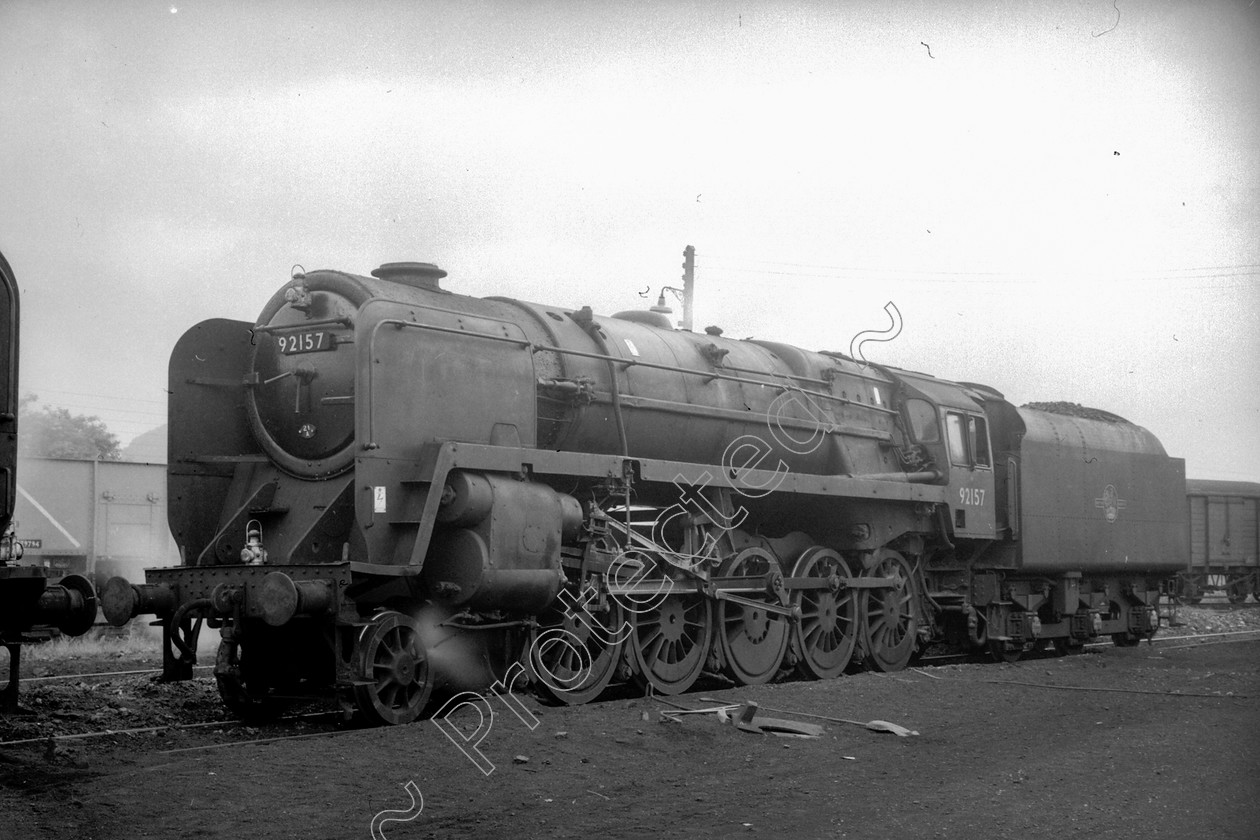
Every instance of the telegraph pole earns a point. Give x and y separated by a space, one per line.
689 285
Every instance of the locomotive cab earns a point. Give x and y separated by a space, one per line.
949 432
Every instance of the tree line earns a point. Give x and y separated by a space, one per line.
50 432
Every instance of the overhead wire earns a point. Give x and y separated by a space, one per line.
125 423
104 396
1210 270
719 266
1249 267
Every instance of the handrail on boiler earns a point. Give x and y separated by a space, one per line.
526 344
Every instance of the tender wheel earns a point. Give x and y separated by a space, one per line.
1051 647
1003 650
751 640
1125 639
243 685
1237 590
669 642
1048 647
1000 650
392 668
890 617
824 638
576 652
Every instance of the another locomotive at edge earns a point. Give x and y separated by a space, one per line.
32 604
382 487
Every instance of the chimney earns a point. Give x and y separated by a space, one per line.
421 275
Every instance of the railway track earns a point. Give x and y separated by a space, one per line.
170 727
105 674
1162 641
943 659
332 722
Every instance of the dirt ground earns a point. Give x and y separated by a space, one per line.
1165 745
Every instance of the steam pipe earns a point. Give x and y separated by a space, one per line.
592 329
921 477
178 619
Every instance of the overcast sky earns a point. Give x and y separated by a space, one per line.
1061 198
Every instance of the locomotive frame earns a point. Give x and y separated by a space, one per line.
382 487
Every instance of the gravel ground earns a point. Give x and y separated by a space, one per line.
1186 620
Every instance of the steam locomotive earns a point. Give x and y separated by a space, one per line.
382 487
31 605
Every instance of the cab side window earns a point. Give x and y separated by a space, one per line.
978 432
923 425
954 434
968 439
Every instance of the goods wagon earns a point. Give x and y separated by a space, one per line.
1224 538
93 518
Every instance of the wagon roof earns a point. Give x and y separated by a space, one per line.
1206 487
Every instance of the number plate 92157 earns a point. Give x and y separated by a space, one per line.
305 342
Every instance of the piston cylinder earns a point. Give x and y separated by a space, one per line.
500 548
